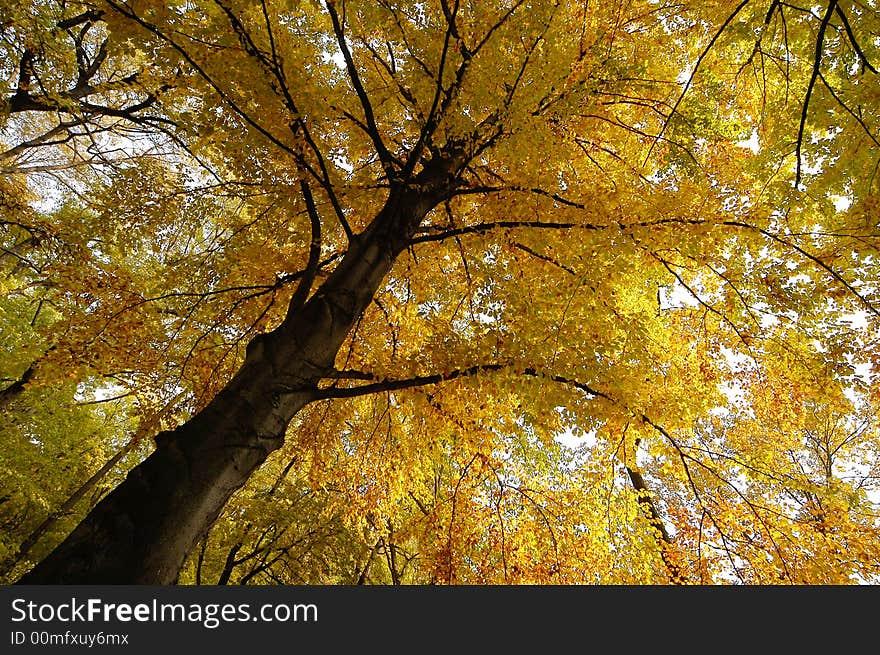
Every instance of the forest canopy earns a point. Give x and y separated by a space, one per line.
439 292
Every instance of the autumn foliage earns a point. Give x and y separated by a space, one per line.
456 292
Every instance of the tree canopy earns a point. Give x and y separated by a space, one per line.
443 291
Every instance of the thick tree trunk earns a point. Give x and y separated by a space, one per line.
143 530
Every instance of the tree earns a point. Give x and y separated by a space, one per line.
367 270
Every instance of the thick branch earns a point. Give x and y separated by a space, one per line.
90 16
424 380
853 41
15 389
272 68
125 11
488 227
308 278
432 120
409 383
817 63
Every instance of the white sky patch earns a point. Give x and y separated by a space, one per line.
753 143
343 163
864 370
736 360
769 320
800 278
841 203
676 296
857 320
336 57
811 168
574 440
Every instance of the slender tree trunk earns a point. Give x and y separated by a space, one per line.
229 565
142 531
65 507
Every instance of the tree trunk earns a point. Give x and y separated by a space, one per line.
143 530
65 507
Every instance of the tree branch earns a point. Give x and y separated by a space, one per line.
817 63
852 39
690 80
308 278
424 380
496 225
432 120
385 157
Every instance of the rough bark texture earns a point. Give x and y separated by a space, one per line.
143 530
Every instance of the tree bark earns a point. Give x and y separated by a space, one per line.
142 531
17 388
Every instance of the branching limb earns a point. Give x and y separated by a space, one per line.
817 64
308 278
443 234
693 74
431 122
408 383
646 502
385 385
853 41
858 119
828 269
271 65
124 10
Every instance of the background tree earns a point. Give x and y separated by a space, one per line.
447 292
